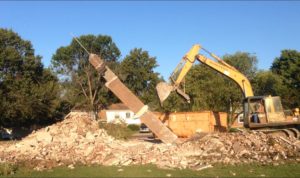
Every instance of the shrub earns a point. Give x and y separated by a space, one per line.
134 127
234 130
118 131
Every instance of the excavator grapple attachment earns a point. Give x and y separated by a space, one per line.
163 90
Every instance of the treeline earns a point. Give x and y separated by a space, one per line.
33 94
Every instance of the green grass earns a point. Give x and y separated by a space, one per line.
286 170
7 169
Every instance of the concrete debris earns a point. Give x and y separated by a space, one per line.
78 140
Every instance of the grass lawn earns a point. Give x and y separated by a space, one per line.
287 170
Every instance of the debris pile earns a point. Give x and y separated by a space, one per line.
78 140
236 148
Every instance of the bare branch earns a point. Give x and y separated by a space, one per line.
83 90
90 87
97 87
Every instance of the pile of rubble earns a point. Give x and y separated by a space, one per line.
236 148
78 140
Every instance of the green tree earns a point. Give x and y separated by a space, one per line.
244 62
137 72
83 87
175 103
29 93
210 90
288 66
269 83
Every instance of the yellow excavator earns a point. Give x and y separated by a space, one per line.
259 112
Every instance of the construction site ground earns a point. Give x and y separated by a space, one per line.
78 141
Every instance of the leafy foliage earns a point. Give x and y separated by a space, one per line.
29 93
83 87
133 127
137 72
175 103
243 62
118 131
288 67
269 83
211 90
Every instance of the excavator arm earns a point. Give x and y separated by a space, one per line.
164 89
231 73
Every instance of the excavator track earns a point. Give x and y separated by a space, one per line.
296 132
288 132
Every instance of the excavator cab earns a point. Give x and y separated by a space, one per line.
264 111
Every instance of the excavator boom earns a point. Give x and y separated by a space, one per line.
164 89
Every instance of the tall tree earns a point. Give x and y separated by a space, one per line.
83 86
288 66
244 62
29 93
210 90
175 103
137 72
269 83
